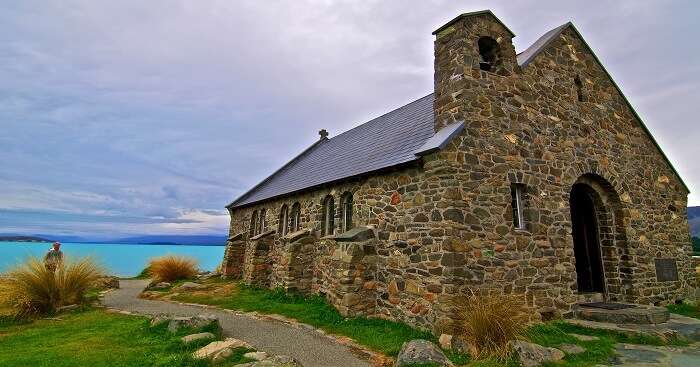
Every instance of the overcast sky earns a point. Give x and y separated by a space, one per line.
126 117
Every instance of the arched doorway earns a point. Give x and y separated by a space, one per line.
590 274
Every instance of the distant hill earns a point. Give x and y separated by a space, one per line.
694 220
23 239
199 240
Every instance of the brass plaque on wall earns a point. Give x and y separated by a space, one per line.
666 270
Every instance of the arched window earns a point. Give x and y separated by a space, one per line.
489 50
296 217
346 205
284 221
261 226
253 224
328 222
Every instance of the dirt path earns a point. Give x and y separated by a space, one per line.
307 346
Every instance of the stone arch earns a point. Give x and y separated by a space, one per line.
614 247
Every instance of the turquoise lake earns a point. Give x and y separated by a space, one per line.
117 259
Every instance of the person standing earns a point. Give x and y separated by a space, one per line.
53 258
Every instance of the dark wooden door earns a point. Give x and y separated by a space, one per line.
589 267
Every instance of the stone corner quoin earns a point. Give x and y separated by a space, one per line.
554 191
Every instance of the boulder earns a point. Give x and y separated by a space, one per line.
195 337
584 338
194 322
571 348
445 341
160 318
421 352
221 356
532 355
213 349
160 285
206 276
190 286
276 361
258 356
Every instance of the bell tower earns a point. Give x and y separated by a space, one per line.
468 49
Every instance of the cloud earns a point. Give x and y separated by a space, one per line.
171 109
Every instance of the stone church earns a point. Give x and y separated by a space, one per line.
523 173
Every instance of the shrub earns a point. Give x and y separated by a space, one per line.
171 267
32 289
487 323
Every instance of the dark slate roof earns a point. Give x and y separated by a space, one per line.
386 141
398 137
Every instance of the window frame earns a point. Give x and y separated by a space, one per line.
517 193
346 205
284 220
262 221
296 217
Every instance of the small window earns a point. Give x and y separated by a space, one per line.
579 89
284 221
516 193
261 226
489 50
296 217
328 222
253 224
346 204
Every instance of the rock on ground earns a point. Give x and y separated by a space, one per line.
195 337
160 285
276 361
421 352
258 356
584 338
214 348
532 355
571 348
195 322
445 341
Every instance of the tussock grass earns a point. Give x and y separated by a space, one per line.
31 289
170 268
487 323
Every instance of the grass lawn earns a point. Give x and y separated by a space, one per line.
96 338
380 335
685 309
387 336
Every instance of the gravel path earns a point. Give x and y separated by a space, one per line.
307 346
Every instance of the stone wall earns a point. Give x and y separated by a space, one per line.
444 226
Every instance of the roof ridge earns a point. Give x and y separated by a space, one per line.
550 36
536 47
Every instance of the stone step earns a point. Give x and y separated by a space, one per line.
636 314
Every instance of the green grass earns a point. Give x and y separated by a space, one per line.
685 309
380 335
144 274
96 338
598 351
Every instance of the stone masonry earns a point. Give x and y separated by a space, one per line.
427 232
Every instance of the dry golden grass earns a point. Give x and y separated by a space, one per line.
32 289
487 323
172 267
